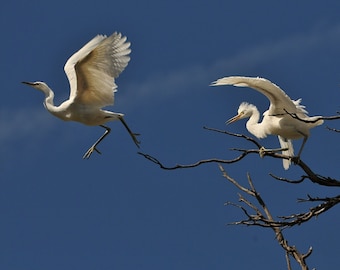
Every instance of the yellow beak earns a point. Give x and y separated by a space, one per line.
233 119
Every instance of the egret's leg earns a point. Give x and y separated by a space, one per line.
297 158
133 135
93 147
305 138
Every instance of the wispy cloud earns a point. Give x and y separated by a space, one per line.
180 81
22 123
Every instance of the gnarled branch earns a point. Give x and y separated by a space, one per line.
263 217
315 178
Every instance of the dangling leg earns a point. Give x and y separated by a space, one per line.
296 159
133 135
93 147
305 138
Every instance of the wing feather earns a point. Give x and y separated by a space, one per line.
279 100
96 72
75 58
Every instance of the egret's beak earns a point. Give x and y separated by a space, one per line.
233 119
28 83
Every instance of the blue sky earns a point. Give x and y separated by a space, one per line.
120 211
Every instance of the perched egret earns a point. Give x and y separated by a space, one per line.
278 119
91 72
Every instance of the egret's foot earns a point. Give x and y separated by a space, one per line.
134 138
263 151
90 151
132 134
295 159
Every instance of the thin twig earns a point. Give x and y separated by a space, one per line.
250 139
295 116
333 129
288 180
196 164
315 178
265 219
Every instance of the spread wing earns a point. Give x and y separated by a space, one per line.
279 100
93 69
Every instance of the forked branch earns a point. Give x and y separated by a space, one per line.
259 215
315 178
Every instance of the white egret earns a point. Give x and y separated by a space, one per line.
277 120
91 72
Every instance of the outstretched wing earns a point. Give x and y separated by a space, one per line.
279 100
95 69
69 67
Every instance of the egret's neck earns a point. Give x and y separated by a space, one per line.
48 102
253 125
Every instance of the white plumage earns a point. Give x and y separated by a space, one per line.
91 72
277 119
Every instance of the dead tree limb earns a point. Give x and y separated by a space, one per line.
196 164
312 176
295 116
263 217
333 129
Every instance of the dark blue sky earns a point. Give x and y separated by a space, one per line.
120 211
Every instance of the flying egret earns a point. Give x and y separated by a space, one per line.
277 120
91 72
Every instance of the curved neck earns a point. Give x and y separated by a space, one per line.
48 102
254 126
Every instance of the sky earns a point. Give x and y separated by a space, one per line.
118 210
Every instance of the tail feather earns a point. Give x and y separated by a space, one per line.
285 143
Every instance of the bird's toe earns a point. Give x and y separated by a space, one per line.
89 152
262 151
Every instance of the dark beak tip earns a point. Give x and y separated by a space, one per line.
27 83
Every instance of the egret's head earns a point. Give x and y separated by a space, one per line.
37 85
41 86
244 110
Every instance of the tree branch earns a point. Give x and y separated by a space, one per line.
333 129
196 164
265 219
295 116
315 178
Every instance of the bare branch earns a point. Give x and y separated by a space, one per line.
298 219
288 180
295 116
315 178
196 164
216 160
333 129
258 214
236 135
265 219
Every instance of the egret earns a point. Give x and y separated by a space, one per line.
91 72
278 119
